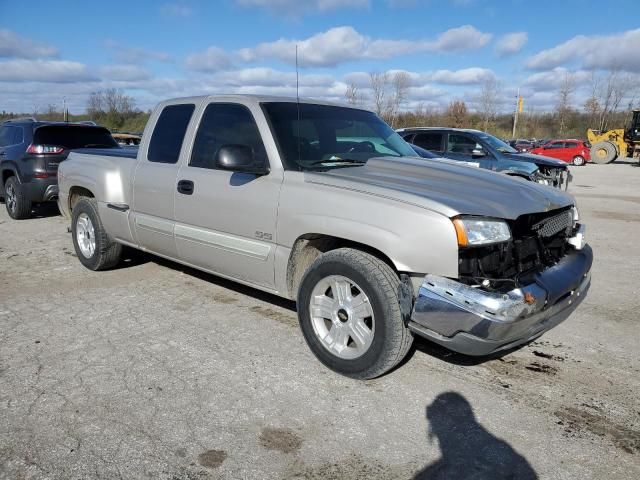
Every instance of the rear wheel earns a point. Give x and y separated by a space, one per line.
578 161
94 248
350 314
603 152
17 202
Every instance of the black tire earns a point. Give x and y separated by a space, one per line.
106 253
17 202
578 161
603 152
391 338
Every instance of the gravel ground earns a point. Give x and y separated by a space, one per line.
157 371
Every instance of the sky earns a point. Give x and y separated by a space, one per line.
55 52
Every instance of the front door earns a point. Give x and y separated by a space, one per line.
155 181
227 222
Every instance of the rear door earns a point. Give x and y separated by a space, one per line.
227 222
571 149
154 185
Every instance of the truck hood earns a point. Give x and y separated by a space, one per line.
537 159
445 188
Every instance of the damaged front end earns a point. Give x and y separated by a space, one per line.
511 291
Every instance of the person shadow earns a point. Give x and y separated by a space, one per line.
469 451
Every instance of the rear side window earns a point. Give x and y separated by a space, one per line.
571 145
74 136
226 124
429 141
18 135
6 136
169 132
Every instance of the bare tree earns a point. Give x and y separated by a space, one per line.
353 95
400 91
489 101
457 114
563 106
379 87
111 107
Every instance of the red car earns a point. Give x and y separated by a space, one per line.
570 151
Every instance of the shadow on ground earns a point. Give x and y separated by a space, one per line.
469 451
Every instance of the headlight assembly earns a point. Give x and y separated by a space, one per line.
480 231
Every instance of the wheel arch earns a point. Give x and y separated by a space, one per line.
76 193
309 246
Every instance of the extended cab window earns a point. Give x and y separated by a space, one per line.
226 124
429 141
169 132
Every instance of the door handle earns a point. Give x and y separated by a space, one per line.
185 187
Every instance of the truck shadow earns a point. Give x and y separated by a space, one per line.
45 210
468 450
224 283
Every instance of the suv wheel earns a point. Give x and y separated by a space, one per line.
350 314
16 201
92 245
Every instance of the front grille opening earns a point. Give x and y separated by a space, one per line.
539 241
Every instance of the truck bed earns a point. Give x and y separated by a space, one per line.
109 152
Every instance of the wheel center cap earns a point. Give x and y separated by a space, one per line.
343 316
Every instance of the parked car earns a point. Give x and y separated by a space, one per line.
30 152
486 151
522 145
576 152
328 206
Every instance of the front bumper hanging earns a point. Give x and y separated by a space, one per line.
475 322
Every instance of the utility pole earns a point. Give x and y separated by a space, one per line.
65 118
515 114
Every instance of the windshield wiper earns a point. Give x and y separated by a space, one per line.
349 161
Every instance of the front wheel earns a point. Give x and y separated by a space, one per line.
350 314
92 245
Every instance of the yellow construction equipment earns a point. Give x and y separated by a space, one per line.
609 145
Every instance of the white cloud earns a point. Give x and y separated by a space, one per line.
465 76
55 71
341 44
511 43
294 8
211 60
124 72
176 10
619 50
14 46
135 55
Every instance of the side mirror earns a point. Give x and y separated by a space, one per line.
478 152
239 158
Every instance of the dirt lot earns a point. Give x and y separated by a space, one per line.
156 371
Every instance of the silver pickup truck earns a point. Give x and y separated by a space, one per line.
328 206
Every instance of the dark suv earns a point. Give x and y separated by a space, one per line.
486 151
30 152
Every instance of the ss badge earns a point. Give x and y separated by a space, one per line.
264 236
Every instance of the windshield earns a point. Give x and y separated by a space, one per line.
497 144
324 136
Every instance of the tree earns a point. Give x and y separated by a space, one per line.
379 86
353 95
563 106
489 101
400 85
456 114
112 108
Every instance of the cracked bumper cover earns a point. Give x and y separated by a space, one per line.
474 322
